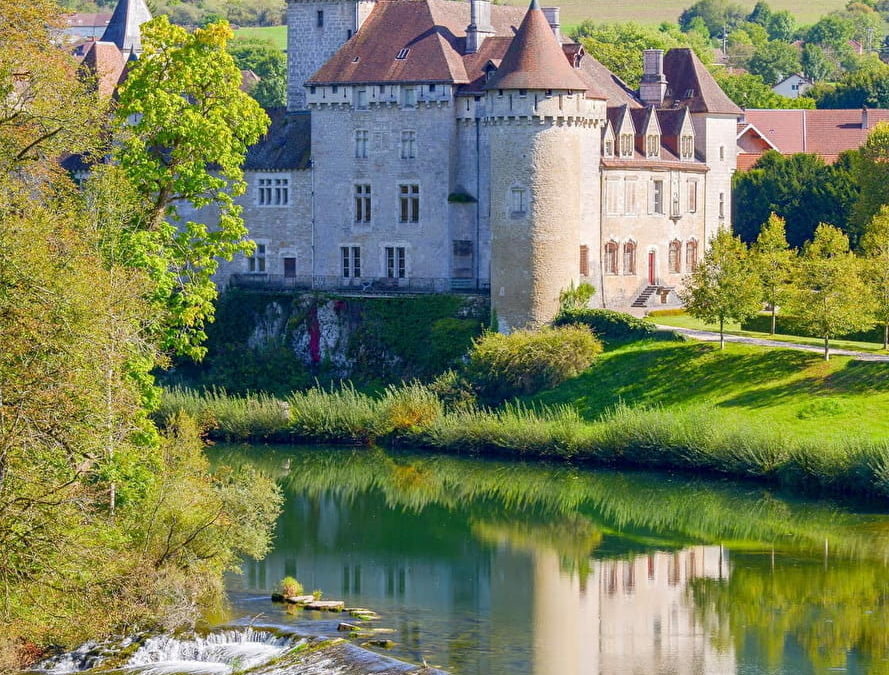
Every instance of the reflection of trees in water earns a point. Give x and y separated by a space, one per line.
826 611
647 509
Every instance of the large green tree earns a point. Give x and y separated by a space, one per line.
872 175
774 61
831 298
750 91
800 188
774 262
267 61
875 247
724 286
184 127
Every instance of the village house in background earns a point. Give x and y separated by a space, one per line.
793 86
825 133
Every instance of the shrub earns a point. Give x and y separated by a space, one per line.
454 391
341 415
409 407
525 362
607 324
290 587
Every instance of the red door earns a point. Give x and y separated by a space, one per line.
652 277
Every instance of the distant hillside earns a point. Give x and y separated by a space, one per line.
655 11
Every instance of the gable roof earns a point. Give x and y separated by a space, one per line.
824 132
692 85
124 29
535 59
106 62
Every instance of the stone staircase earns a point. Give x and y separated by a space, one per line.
644 296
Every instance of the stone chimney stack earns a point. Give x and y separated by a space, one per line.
864 121
552 16
653 87
479 25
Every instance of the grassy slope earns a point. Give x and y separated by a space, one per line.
795 391
274 34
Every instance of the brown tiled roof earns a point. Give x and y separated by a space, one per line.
287 144
106 62
535 59
433 32
690 83
89 19
601 80
824 132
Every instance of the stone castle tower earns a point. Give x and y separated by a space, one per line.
544 124
316 29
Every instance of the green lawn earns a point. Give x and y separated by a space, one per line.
575 11
797 392
277 35
686 321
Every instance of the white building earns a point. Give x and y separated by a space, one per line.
793 86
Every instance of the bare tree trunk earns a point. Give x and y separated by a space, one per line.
826 348
773 319
886 336
721 333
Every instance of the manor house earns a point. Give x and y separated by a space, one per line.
439 145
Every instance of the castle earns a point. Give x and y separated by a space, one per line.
440 145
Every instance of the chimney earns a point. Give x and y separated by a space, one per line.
479 25
864 123
552 16
653 87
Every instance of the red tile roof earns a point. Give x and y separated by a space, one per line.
89 19
823 132
106 62
691 84
535 59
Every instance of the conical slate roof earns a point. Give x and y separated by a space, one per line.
535 59
124 27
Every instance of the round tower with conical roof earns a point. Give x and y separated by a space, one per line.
544 125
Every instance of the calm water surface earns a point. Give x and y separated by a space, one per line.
486 567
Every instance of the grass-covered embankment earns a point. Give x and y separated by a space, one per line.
783 417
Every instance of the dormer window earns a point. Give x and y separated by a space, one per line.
686 147
609 147
402 55
652 145
523 92
626 145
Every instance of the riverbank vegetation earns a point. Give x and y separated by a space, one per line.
106 524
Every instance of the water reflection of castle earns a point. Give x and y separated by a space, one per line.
627 615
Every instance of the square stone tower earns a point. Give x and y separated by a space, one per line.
316 29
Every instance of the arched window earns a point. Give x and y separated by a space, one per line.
691 256
674 259
610 261
630 258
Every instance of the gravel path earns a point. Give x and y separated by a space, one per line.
709 336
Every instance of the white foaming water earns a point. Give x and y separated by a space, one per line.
219 653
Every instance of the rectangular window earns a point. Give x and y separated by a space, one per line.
408 144
362 203
351 256
409 97
688 147
361 98
657 196
613 195
273 191
722 204
256 262
319 18
630 196
692 196
518 198
584 261
289 268
361 138
395 262
626 145
609 147
652 145
409 203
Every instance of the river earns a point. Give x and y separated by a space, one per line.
485 567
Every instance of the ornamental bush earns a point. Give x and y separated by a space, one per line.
525 362
608 325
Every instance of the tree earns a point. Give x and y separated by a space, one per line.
831 30
267 61
774 263
800 188
875 246
724 286
774 61
781 26
761 13
816 63
749 91
831 299
872 174
716 14
864 87
183 128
